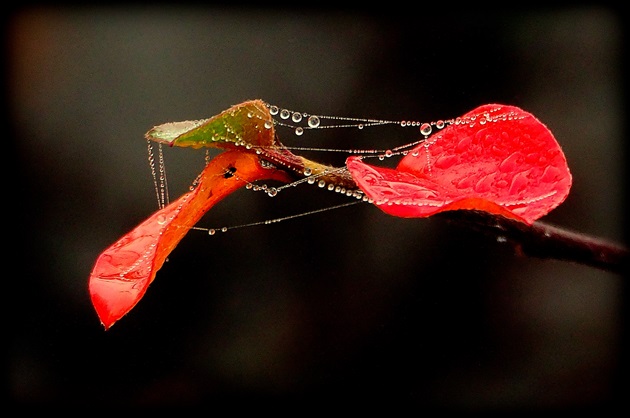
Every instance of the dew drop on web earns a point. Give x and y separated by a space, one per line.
425 129
313 121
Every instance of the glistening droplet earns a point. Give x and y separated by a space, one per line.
313 121
425 129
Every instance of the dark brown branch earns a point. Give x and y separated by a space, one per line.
546 241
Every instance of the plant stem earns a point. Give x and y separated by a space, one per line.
543 240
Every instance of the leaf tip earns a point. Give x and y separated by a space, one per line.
167 133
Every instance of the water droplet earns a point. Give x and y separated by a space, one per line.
425 129
311 180
360 126
250 114
313 121
224 229
296 117
161 219
284 114
211 231
331 187
439 124
389 153
272 192
307 171
321 183
299 131
446 161
268 124
273 110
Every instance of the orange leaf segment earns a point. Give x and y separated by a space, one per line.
123 272
496 158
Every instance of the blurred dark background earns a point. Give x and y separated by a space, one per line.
351 306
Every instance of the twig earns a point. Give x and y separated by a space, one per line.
543 240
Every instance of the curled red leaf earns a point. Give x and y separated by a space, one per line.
122 273
496 158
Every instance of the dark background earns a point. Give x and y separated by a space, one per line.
351 305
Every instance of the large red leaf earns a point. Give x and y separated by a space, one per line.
496 158
123 272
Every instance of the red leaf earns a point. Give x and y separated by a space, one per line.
123 271
496 158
